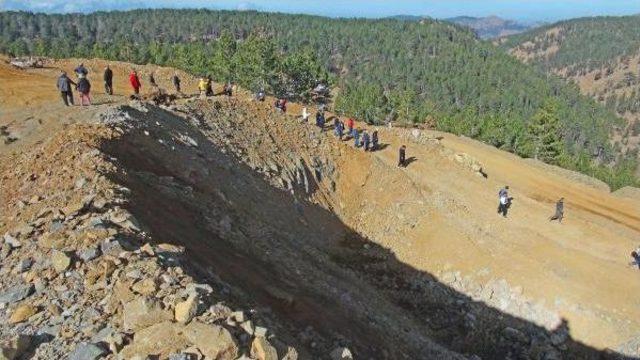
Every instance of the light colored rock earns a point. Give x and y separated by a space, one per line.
341 353
162 339
22 313
147 286
141 313
186 310
262 350
60 261
214 341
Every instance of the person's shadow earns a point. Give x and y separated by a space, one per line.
410 160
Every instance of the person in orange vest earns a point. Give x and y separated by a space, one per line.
135 82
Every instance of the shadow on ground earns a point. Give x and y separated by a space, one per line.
299 261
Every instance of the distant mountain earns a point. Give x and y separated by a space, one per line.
492 26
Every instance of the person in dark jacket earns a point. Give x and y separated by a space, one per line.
84 88
209 86
64 86
227 89
366 140
81 71
559 211
320 121
374 140
636 258
152 80
402 156
504 201
338 128
176 82
108 80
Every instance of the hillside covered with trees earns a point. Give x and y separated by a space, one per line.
601 55
385 70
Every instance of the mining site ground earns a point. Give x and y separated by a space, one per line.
342 246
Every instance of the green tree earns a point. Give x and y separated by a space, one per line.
543 133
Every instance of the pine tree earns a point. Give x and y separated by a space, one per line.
544 134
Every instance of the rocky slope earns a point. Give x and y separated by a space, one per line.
140 229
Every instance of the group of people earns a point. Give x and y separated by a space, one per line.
504 203
65 85
82 85
205 87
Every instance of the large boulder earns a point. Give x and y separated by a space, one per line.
161 339
214 341
142 312
187 310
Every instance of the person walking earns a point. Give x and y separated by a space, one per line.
305 115
176 82
64 86
374 140
559 211
108 80
134 80
84 88
503 197
402 156
366 140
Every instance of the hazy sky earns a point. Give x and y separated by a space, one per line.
515 9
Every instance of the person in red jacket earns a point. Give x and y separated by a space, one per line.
135 82
350 126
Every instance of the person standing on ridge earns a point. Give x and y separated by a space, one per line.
209 89
356 138
176 82
366 140
81 71
338 128
402 156
320 121
559 211
152 81
134 80
350 126
108 80
503 205
84 88
64 86
202 87
374 140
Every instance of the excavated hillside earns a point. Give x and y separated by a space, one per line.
126 215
